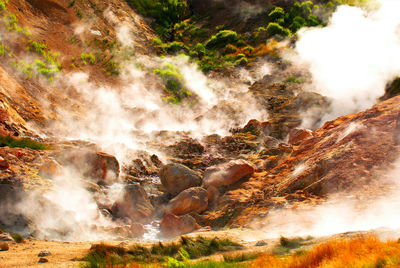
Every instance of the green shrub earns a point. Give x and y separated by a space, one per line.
174 82
157 41
165 12
294 79
17 237
274 28
200 49
3 5
12 23
221 39
229 49
3 50
88 58
241 61
21 143
175 47
48 71
37 47
276 14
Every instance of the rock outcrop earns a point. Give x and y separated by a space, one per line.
175 178
172 225
134 204
190 200
228 173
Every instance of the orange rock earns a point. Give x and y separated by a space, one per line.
191 200
50 169
228 173
173 225
3 163
134 204
137 229
176 178
297 135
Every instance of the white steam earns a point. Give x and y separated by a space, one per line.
343 212
354 57
124 117
66 212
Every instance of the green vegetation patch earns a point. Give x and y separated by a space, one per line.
221 39
174 83
21 143
17 237
172 254
165 12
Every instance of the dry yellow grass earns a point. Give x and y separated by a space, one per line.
359 252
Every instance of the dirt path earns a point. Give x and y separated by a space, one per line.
25 254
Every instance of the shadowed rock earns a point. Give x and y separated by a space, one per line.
134 204
190 200
173 225
175 178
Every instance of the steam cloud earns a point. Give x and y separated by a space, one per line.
339 214
354 57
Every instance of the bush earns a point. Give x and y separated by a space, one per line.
3 50
221 39
274 28
3 5
88 58
37 47
175 47
17 237
229 49
276 14
165 12
174 82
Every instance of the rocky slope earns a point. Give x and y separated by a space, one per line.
169 181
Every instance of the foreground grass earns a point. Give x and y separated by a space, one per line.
171 254
360 252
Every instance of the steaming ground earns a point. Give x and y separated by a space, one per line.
351 61
353 58
124 118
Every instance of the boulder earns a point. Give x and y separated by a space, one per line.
297 135
190 200
50 169
137 229
175 178
6 237
172 225
228 173
134 204
4 246
44 253
43 260
144 165
102 168
4 163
